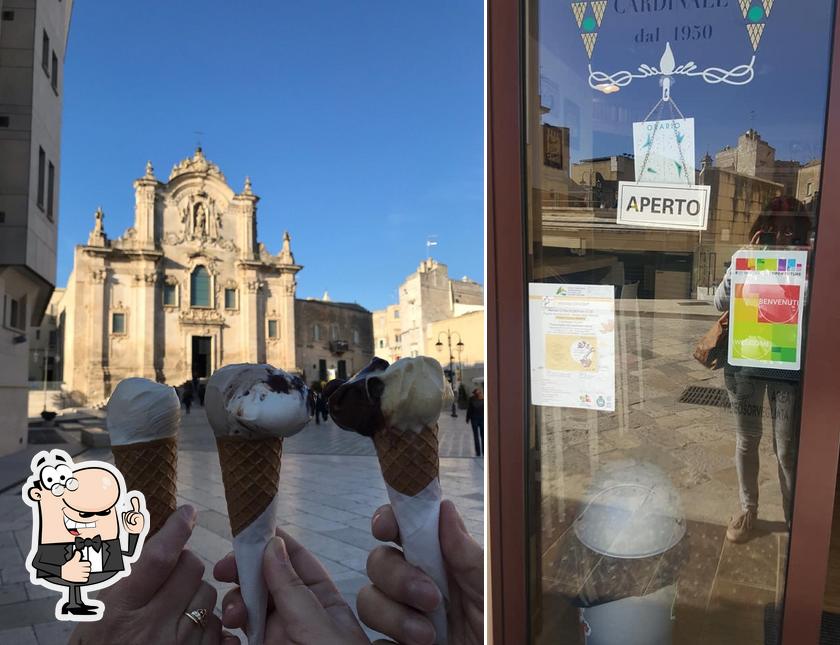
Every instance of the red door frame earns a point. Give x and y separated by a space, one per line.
819 442
506 337
506 402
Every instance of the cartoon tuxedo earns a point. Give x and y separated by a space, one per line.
76 540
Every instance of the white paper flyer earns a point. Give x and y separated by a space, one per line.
572 333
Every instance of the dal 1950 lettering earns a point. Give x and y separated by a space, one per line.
693 32
681 32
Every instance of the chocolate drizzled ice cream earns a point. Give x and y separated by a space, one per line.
407 395
249 400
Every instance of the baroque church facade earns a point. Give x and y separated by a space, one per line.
187 289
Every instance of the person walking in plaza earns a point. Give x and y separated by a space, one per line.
321 408
475 416
783 224
187 396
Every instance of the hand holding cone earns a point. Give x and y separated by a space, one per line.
251 409
398 407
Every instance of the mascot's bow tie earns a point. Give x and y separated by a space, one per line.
83 543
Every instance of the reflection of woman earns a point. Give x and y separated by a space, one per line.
782 224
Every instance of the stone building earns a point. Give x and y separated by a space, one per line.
468 357
426 296
33 39
387 328
184 291
333 339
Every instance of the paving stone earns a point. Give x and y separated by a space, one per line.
19 636
35 592
15 592
356 537
7 539
54 632
216 523
30 612
14 572
95 437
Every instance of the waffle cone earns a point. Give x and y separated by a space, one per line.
408 459
250 472
151 467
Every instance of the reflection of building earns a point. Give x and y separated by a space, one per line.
666 264
808 182
755 157
600 177
187 289
427 296
334 339
33 38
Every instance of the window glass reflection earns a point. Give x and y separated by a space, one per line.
674 157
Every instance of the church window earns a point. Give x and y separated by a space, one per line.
200 287
170 295
316 332
117 323
230 298
273 329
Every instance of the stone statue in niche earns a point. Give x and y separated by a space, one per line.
200 221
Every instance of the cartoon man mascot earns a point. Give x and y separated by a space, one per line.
77 512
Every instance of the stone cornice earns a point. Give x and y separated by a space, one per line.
268 266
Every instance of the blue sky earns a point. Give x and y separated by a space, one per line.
359 123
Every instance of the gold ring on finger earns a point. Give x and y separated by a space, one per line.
198 616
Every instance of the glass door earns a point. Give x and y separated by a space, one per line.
673 163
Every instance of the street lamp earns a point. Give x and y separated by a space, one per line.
458 346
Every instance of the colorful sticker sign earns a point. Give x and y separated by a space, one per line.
766 306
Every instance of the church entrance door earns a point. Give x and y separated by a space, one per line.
201 356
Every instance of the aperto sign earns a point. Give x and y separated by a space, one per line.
655 205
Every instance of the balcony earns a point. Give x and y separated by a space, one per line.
338 347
